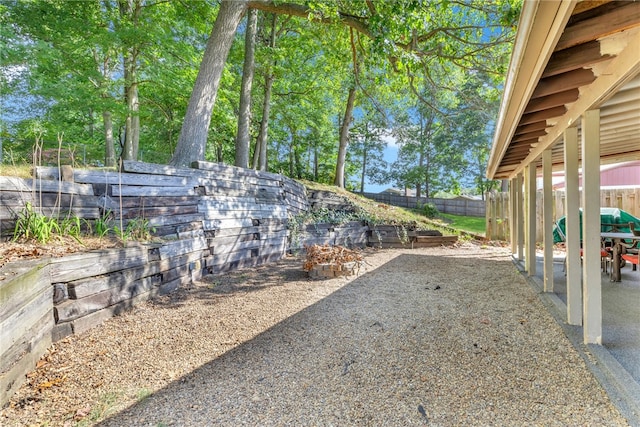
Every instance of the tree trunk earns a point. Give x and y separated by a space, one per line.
109 144
195 127
344 139
244 117
316 164
364 170
260 154
420 166
131 9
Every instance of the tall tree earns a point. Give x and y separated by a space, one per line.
244 116
130 12
368 145
347 119
260 153
193 136
455 32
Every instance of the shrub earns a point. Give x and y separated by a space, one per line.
430 211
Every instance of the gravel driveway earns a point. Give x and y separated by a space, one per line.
439 337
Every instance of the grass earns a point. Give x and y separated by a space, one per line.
19 171
471 224
382 213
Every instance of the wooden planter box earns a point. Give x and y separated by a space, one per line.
328 271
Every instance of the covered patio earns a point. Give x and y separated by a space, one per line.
572 103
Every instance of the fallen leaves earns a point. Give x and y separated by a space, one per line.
50 383
326 254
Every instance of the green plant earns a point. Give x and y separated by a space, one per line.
430 211
136 229
403 235
34 225
105 406
101 226
71 226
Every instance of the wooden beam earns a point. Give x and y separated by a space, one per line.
621 69
574 58
558 83
586 5
607 19
551 101
522 129
543 115
529 136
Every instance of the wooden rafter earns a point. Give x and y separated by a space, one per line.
602 21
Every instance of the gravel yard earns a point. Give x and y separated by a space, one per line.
438 336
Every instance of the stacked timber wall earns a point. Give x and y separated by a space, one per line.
208 219
211 219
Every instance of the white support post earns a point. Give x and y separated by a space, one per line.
512 215
520 218
572 227
530 233
547 220
592 287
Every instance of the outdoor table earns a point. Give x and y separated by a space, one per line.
617 239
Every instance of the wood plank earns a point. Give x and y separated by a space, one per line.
16 324
82 288
157 214
96 263
16 375
227 223
551 101
129 190
134 202
222 168
180 247
26 185
558 83
233 205
247 237
430 241
89 321
211 214
219 249
21 285
543 115
605 20
155 169
573 58
76 308
110 177
37 332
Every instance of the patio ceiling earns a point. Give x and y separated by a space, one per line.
570 57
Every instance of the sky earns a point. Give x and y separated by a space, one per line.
390 155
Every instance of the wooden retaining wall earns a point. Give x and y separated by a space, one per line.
211 218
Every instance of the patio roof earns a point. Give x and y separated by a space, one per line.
570 57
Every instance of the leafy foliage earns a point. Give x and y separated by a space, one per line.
427 72
31 224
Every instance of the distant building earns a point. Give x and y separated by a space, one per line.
615 175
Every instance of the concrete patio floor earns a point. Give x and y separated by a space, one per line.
616 363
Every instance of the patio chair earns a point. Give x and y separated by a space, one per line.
634 259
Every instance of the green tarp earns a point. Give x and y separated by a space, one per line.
611 219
